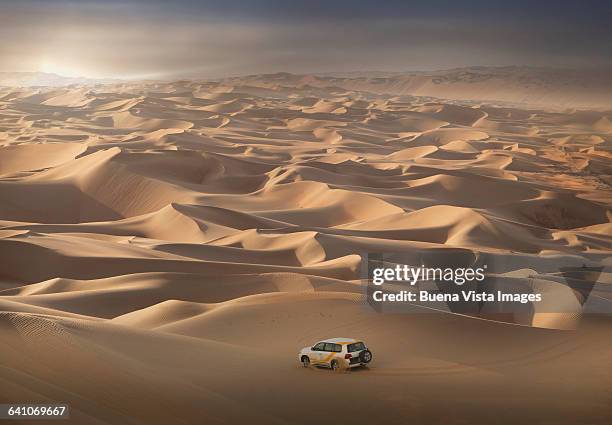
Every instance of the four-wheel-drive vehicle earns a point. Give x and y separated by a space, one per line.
336 353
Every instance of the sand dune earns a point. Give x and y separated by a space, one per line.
168 247
557 88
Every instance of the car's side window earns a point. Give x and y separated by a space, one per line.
319 347
337 348
329 346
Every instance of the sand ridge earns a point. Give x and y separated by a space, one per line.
176 243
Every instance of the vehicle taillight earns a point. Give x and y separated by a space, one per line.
348 356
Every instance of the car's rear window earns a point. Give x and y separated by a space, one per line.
357 346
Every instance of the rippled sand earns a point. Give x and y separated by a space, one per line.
167 248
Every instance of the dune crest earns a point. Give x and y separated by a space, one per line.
176 240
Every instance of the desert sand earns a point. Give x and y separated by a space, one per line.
168 247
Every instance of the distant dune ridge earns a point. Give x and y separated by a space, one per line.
167 247
46 79
520 85
559 88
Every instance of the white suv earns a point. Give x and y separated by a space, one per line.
336 353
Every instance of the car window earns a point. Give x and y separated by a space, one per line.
335 348
329 346
319 347
357 346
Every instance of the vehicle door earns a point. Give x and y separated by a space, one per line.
329 353
317 353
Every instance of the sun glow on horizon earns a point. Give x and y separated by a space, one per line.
59 68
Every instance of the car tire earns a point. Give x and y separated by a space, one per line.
305 361
365 356
335 366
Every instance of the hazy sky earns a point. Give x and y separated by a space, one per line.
214 38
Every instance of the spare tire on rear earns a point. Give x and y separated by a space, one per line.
365 356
